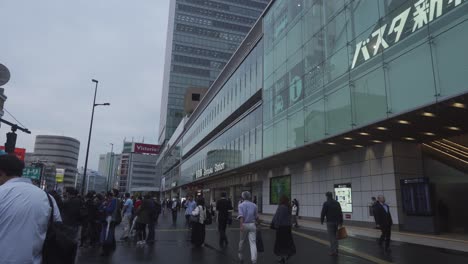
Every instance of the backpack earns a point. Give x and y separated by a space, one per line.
60 243
209 217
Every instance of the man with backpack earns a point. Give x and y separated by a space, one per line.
113 217
24 203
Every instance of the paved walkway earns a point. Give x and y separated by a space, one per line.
441 241
173 246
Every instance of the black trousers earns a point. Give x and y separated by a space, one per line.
151 234
174 216
222 225
386 236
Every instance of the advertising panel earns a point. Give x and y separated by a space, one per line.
19 152
146 149
280 186
343 196
59 175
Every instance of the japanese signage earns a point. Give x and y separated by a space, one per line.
33 173
206 172
344 197
19 152
415 17
146 148
59 175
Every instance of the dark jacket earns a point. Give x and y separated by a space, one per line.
282 217
223 206
332 211
146 212
71 213
382 218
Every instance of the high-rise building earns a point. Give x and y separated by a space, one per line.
201 37
62 151
137 168
108 166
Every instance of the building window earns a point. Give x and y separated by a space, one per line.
196 97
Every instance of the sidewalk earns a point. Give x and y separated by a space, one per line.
444 242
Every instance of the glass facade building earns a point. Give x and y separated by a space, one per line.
332 94
334 66
202 36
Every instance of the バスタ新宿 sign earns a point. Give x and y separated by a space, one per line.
415 17
33 173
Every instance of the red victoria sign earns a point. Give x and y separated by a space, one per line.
146 148
19 152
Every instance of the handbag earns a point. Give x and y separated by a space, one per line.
342 233
195 218
259 241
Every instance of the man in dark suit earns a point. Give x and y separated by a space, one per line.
384 221
223 206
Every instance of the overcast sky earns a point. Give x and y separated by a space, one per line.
54 48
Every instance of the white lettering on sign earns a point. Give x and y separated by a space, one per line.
424 11
207 172
219 167
199 173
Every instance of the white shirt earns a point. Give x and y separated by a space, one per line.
199 210
24 216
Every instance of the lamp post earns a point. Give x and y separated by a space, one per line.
111 166
89 136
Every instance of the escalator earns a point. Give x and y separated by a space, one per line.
448 152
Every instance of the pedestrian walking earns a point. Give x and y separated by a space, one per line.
144 214
190 205
223 207
295 213
284 243
24 214
331 210
89 233
127 214
72 215
155 210
198 223
384 222
110 210
248 216
175 206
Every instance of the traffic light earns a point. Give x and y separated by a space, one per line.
10 144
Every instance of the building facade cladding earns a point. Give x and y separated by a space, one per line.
202 36
138 170
329 68
62 151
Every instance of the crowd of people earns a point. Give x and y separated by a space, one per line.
29 214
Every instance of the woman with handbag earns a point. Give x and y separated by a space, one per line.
198 223
284 243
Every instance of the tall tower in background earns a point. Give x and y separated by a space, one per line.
201 37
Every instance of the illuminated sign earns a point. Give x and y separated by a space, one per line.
33 173
415 17
59 175
146 148
206 172
344 197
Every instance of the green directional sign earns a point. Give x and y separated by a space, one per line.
32 173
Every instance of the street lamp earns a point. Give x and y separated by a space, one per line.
111 166
89 136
